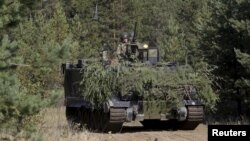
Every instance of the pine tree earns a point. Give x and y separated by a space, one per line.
9 11
52 43
225 43
15 104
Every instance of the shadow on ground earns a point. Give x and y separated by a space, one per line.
160 126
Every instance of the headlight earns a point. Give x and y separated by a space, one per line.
145 46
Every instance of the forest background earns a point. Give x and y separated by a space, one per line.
36 36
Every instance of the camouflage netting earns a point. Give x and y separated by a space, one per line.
153 83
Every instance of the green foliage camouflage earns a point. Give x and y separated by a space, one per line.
152 82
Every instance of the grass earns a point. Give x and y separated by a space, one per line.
54 127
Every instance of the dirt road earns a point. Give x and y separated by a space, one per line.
54 127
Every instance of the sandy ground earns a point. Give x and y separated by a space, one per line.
54 127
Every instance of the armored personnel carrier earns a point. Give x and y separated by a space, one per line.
151 105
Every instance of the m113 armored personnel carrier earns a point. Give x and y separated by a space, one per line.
151 105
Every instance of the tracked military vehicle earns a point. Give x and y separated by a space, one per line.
121 107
